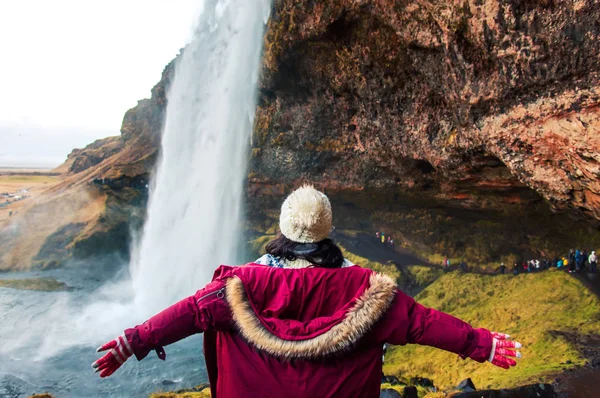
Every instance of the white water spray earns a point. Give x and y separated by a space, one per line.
195 206
194 212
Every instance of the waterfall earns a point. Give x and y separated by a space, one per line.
194 212
193 224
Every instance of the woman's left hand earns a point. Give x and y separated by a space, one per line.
120 351
502 353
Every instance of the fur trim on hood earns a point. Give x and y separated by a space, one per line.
360 318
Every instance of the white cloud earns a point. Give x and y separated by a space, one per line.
82 63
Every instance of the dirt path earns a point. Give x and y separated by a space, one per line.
370 247
592 281
584 382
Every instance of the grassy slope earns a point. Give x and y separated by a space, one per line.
388 269
202 394
424 275
526 306
39 284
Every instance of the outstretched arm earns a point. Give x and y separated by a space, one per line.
410 322
206 310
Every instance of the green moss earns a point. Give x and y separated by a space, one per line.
424 275
529 307
39 284
388 269
256 246
186 394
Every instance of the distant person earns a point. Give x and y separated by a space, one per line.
537 265
463 266
378 235
593 260
383 238
578 260
571 261
502 268
546 263
312 328
392 242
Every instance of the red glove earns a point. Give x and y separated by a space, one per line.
500 355
120 351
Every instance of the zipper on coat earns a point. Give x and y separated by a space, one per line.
220 294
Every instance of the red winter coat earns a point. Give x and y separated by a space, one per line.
312 332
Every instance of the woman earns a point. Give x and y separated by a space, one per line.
304 321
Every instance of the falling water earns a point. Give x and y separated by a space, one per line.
194 212
193 225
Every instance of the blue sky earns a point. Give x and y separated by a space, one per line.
71 68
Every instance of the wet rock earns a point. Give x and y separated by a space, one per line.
531 391
410 392
466 385
389 393
393 380
421 381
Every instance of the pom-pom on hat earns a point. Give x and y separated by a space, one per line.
305 216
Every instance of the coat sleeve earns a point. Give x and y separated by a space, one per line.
408 322
205 310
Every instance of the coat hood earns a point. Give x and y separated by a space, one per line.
305 313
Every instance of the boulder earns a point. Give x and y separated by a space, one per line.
393 380
421 381
466 385
410 392
389 393
530 391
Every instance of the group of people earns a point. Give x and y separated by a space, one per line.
574 261
385 239
579 260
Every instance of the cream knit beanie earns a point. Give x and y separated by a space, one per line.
305 216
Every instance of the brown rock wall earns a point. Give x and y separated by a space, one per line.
420 93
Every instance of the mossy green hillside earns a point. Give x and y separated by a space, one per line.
530 307
423 275
389 269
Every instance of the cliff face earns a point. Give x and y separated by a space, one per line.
99 202
455 98
467 104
